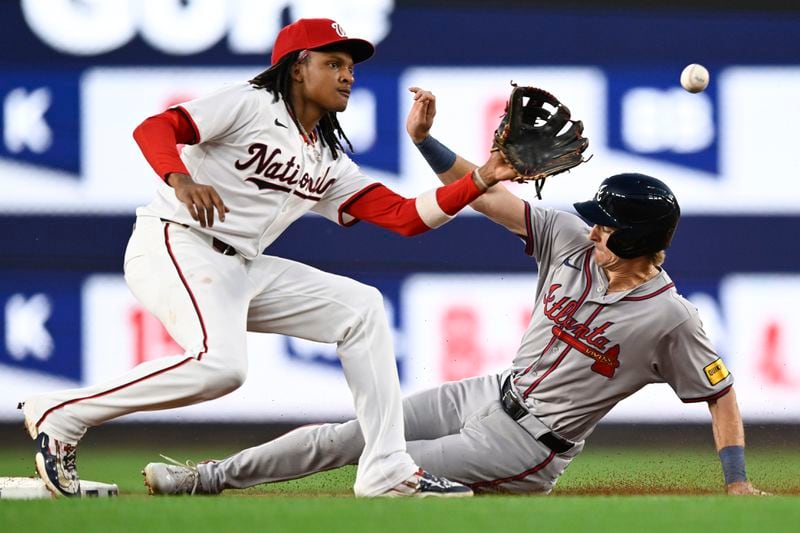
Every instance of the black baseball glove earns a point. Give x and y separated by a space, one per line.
531 139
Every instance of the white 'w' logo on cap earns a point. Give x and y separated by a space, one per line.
339 30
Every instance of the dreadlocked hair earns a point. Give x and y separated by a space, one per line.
278 80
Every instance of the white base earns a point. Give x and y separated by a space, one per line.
29 488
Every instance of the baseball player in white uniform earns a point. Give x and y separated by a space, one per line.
259 155
607 321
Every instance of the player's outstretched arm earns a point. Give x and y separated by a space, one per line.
497 202
411 216
726 422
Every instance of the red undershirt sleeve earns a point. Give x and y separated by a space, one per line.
412 216
158 137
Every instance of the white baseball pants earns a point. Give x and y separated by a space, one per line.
207 301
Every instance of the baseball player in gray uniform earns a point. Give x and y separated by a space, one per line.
607 321
259 155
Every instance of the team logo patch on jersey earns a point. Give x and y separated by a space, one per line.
716 372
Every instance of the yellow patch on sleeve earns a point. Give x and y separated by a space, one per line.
716 372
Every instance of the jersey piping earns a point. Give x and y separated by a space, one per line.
159 372
528 230
647 296
188 290
713 397
587 289
110 391
350 201
516 477
189 118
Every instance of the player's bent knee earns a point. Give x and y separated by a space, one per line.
366 313
232 378
369 299
222 384
221 379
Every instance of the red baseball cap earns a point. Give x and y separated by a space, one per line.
309 34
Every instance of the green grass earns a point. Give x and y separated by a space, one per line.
611 489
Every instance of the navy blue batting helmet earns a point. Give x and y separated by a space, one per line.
644 210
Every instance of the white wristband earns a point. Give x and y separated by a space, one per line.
430 211
479 179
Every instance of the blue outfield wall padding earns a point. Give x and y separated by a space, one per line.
704 246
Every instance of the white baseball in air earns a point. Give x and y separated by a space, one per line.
694 78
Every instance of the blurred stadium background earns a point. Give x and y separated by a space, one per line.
77 76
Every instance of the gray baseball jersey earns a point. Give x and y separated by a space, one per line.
586 349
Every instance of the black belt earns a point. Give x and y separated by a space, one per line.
221 247
218 245
515 408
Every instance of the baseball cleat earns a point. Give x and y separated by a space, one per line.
423 484
170 479
56 465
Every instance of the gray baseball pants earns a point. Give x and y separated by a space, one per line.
458 430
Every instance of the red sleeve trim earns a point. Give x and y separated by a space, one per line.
350 201
715 396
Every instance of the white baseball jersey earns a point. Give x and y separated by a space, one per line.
586 349
251 152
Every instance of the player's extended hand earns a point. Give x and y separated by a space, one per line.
420 118
496 169
745 488
199 199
